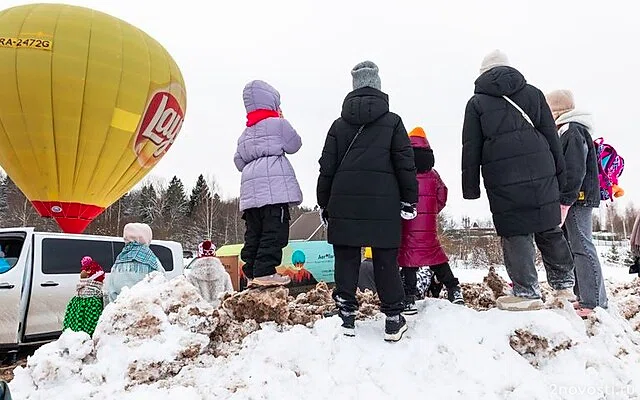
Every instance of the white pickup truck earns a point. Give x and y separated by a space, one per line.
41 271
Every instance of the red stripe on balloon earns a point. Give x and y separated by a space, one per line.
71 217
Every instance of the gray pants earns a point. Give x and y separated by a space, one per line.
590 282
519 259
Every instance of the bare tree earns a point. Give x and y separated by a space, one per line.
630 213
597 226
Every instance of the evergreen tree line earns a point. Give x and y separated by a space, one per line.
175 214
172 212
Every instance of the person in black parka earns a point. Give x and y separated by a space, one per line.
523 170
367 181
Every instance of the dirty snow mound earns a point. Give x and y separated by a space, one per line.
275 305
535 347
482 296
626 297
161 340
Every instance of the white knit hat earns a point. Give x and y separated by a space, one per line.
494 59
138 233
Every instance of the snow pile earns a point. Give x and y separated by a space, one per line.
482 296
172 316
275 305
626 297
161 340
535 347
150 333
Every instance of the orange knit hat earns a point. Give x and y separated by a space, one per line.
418 132
419 138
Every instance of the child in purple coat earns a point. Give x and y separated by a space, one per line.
269 185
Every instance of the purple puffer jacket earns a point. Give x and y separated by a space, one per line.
267 176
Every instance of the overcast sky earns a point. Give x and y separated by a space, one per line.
428 53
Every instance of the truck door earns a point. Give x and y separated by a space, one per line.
56 272
15 261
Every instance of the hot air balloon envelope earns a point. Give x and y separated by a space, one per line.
89 105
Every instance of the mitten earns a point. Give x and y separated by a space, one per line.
408 211
617 191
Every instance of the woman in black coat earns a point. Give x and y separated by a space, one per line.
523 168
367 180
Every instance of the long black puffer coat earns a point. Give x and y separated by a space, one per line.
363 194
523 167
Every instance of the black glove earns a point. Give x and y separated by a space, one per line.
324 217
408 211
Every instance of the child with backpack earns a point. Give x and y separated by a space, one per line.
269 185
578 198
420 246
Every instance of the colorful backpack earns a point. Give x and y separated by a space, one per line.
610 167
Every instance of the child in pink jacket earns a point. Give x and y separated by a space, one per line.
420 245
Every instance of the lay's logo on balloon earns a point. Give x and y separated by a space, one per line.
158 129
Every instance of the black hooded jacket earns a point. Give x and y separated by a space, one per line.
523 167
583 184
363 194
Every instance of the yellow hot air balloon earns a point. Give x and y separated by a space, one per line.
89 104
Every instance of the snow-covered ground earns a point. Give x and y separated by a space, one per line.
158 340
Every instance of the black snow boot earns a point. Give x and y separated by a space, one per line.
455 296
410 306
348 324
394 327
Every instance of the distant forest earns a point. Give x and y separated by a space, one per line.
188 218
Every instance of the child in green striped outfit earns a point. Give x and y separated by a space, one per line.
84 309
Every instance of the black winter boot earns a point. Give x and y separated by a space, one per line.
455 296
394 327
348 324
410 306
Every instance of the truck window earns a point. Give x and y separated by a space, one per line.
62 256
164 254
10 249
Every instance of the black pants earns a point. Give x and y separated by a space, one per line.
410 281
444 274
386 276
267 233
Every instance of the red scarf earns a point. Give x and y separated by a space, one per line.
258 115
